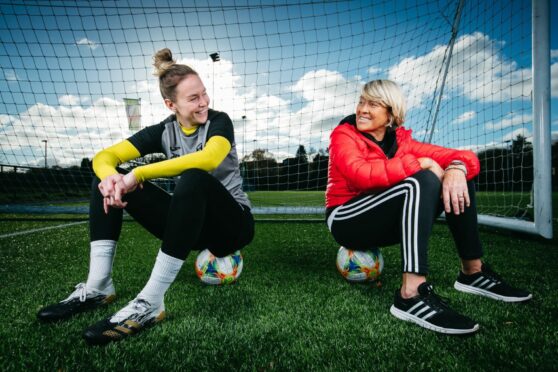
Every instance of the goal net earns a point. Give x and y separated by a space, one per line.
77 77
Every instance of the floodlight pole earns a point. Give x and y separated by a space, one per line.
45 141
215 58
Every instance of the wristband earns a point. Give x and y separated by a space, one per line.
460 167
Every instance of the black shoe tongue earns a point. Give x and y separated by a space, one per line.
425 289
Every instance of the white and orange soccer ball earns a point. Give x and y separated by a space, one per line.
360 266
218 270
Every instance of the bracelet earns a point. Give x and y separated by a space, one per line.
456 162
460 167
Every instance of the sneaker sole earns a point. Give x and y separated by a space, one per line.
413 319
92 341
481 292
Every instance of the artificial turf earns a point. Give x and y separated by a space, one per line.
290 310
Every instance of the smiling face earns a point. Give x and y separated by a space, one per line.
191 103
372 118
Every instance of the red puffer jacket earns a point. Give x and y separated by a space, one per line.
357 165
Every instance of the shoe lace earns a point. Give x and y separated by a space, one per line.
436 301
80 292
490 274
134 309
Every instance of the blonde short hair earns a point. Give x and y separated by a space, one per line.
387 94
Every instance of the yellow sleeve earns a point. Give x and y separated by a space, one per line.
106 161
215 151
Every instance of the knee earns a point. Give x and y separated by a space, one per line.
428 181
191 181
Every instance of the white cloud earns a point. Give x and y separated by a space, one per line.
10 75
72 132
510 120
71 100
466 116
553 53
477 71
5 119
144 86
89 43
373 70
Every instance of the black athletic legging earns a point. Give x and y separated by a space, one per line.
200 214
405 213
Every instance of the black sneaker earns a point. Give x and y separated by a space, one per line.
81 299
488 283
428 310
131 319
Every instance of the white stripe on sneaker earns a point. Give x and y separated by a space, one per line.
433 312
424 309
417 305
484 283
476 281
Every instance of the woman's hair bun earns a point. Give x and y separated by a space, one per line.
162 61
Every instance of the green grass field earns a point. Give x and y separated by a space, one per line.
290 310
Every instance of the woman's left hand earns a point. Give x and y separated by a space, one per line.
124 185
454 191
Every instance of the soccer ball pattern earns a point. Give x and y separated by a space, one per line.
218 270
360 266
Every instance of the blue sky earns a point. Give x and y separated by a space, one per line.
292 69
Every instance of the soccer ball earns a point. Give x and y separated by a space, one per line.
218 270
360 266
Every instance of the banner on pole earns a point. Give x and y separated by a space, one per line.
133 112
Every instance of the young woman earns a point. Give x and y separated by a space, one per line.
386 188
208 208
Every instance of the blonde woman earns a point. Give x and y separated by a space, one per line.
384 187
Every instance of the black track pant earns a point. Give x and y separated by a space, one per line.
405 213
200 214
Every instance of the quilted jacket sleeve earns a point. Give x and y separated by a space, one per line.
367 169
444 156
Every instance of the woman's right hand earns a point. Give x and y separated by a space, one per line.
431 165
107 187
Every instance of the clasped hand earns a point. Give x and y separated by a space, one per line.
455 193
114 187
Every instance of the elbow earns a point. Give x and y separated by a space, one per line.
473 163
96 157
212 164
98 160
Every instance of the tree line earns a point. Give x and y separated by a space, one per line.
502 169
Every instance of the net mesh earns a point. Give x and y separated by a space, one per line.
77 77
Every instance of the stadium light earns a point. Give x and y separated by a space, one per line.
45 141
215 57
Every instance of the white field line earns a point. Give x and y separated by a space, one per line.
40 229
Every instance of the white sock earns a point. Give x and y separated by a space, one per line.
100 264
164 272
